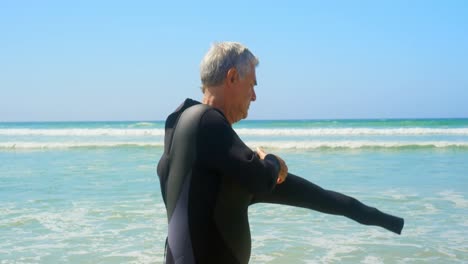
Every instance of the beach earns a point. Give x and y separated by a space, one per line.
88 192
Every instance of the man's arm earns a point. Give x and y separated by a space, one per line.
221 150
296 191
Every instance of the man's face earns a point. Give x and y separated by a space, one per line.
244 93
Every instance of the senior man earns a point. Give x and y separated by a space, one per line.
209 177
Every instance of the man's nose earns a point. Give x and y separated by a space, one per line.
254 95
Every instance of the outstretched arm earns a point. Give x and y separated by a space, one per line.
296 191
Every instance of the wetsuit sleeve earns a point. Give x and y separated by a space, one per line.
221 150
296 191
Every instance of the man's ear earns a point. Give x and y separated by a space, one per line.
232 76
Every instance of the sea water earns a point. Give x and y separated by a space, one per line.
88 192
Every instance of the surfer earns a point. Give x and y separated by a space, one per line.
209 177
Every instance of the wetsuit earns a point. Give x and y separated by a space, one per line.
208 179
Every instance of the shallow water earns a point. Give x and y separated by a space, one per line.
69 202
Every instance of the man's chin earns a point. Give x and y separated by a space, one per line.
246 113
244 116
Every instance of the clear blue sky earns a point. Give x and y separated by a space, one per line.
137 60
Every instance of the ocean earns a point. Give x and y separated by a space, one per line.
88 192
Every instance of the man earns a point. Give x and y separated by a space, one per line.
209 177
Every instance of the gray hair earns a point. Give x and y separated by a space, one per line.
223 56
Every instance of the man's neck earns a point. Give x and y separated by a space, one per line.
214 97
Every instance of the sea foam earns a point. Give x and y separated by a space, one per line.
303 145
240 131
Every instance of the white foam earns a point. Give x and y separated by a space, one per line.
240 131
454 197
397 194
82 132
143 124
258 258
464 222
351 131
354 144
301 145
430 209
372 260
73 220
62 145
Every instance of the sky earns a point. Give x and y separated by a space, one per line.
138 60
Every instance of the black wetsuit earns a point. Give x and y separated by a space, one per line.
208 179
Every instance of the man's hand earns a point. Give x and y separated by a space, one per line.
261 153
283 173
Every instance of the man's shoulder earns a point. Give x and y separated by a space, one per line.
213 117
172 118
